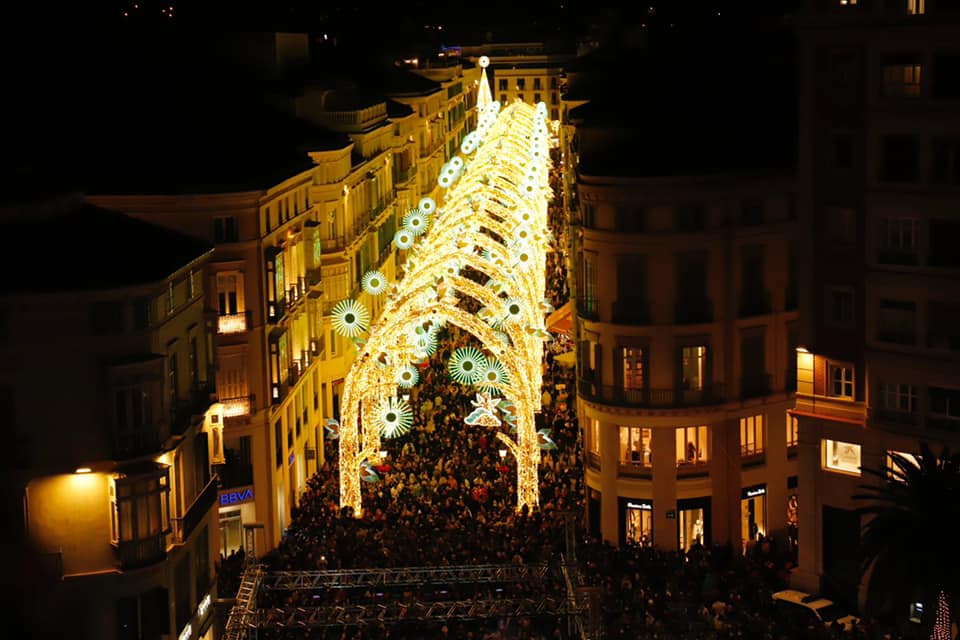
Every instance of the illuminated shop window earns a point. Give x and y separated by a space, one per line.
843 457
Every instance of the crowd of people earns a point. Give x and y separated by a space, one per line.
446 497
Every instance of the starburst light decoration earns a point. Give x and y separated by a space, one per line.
403 239
496 202
374 283
349 318
394 417
467 365
493 375
408 377
415 221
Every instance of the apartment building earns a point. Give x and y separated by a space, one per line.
530 72
686 306
879 360
106 392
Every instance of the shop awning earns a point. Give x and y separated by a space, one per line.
561 320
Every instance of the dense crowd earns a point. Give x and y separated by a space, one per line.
446 497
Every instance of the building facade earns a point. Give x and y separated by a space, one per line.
530 72
686 313
115 471
878 367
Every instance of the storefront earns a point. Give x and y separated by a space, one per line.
753 513
636 521
593 513
236 507
693 522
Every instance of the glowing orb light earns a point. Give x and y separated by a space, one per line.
408 377
403 239
374 283
415 222
427 205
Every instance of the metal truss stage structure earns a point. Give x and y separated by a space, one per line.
561 597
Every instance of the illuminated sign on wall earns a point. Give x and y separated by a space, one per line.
228 498
645 506
754 492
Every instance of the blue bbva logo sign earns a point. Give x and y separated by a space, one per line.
235 497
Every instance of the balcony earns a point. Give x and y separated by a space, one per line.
631 469
693 311
405 175
755 303
635 312
895 417
314 277
593 460
134 554
182 413
196 512
234 473
938 422
588 308
233 323
754 385
333 244
646 397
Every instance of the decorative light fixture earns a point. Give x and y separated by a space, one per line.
83 470
374 283
467 365
349 318
394 417
503 453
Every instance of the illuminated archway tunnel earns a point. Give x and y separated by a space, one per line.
493 221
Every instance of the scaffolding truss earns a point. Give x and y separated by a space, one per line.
409 576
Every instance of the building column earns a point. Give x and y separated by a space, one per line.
725 480
809 525
664 455
775 458
609 465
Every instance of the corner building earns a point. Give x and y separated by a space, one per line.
879 365
114 471
685 310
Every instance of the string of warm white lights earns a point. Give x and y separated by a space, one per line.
493 220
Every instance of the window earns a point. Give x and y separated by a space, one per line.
171 304
537 84
520 97
202 567
751 212
173 379
502 84
133 421
181 592
631 303
278 443
143 617
691 445
521 84
944 240
225 229
897 322
945 402
140 509
691 218
593 441
891 467
141 313
554 114
587 283
945 160
839 306
841 456
633 375
841 381
635 446
693 361
586 216
503 98
841 151
943 325
793 430
536 98
191 285
915 7
106 318
751 435
899 159
898 240
901 79
841 226
898 397
946 75
554 99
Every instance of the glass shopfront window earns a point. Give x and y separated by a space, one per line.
692 525
639 522
753 514
843 457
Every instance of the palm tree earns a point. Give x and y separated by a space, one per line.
911 546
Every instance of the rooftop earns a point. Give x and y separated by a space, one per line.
87 248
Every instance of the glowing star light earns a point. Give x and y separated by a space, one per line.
466 365
349 318
394 417
374 283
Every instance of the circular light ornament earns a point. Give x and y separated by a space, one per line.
394 417
452 269
445 181
424 344
456 162
512 311
415 222
408 376
494 374
526 216
374 282
403 239
427 205
349 318
484 62
528 189
467 365
503 338
524 257
522 233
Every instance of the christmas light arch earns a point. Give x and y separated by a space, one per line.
493 220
